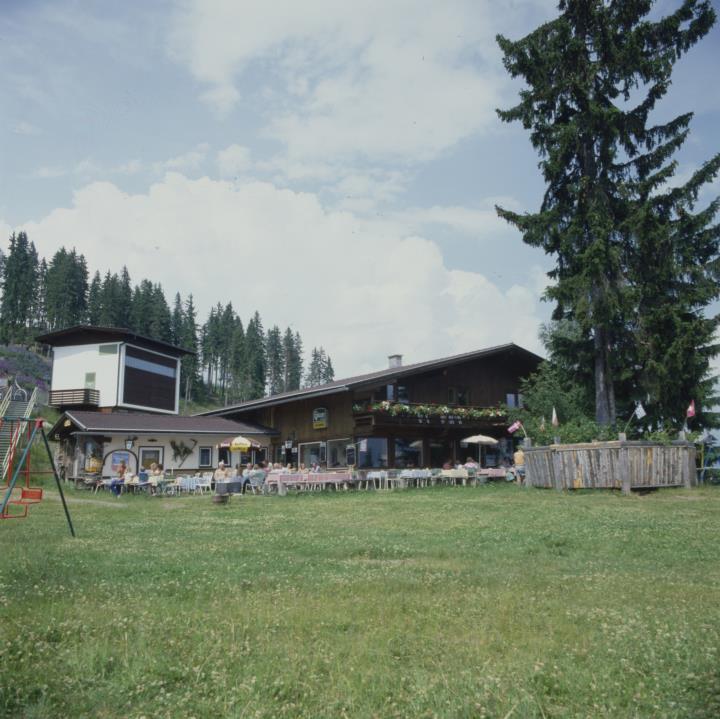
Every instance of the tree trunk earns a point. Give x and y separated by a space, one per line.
603 387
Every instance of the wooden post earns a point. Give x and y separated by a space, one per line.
557 470
624 468
686 474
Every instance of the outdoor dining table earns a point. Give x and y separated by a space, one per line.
455 475
379 476
414 476
188 484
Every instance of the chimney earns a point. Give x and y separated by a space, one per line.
394 361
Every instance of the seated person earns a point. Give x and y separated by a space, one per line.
448 464
470 463
221 473
117 483
256 478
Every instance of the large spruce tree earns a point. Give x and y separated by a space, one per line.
275 361
594 75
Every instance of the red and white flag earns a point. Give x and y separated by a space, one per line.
555 420
691 409
515 426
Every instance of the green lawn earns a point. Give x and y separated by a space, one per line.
457 602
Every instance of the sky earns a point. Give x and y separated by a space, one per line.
333 165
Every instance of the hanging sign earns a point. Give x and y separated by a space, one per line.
320 418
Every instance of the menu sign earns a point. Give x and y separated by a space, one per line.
320 418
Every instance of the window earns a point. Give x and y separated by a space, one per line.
402 394
372 452
148 455
390 393
309 454
206 456
336 455
408 452
459 396
514 399
89 380
108 349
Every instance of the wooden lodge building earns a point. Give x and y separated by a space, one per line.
406 415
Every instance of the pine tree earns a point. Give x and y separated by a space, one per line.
240 384
187 339
604 168
292 360
160 317
141 309
275 362
328 370
316 369
125 296
94 304
255 359
109 300
19 285
177 321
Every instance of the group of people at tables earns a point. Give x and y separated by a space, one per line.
125 479
514 471
256 474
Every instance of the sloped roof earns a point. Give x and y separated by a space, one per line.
147 423
348 383
89 334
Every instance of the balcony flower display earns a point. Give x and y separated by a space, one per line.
421 411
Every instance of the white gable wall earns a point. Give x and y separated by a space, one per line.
70 365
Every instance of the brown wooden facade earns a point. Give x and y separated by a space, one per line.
482 383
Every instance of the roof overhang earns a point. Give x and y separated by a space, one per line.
90 334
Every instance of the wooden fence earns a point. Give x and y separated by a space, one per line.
611 465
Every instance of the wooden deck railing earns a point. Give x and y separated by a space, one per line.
77 397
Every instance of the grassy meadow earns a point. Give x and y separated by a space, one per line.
451 602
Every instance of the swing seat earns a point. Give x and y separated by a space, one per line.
7 514
30 495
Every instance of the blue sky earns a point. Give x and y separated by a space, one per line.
333 165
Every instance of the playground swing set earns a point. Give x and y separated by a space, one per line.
17 496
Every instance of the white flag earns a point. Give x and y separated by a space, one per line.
640 411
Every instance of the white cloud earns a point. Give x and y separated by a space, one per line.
187 161
233 160
49 172
402 80
132 167
25 128
361 287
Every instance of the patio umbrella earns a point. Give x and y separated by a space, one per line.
238 444
480 439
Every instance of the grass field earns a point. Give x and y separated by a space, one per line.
458 602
